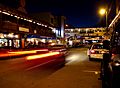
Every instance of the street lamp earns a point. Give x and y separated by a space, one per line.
104 12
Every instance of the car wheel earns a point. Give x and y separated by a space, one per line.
90 59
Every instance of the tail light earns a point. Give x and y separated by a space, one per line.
102 52
92 51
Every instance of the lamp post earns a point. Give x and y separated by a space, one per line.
104 12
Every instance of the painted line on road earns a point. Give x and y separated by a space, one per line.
39 65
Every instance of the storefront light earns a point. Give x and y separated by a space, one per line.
10 35
32 40
0 11
43 40
35 31
28 39
1 35
5 35
50 40
54 30
16 36
36 42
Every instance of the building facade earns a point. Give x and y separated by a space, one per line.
19 30
85 34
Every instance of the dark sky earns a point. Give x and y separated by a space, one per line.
79 13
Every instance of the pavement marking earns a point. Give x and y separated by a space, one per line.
96 72
39 65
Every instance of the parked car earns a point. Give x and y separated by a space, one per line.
96 51
110 65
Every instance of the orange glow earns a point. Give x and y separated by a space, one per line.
42 50
28 52
52 44
17 53
42 55
6 55
23 52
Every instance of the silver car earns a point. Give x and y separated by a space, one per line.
96 51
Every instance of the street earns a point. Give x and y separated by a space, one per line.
78 72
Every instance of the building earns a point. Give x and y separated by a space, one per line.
57 21
85 34
19 30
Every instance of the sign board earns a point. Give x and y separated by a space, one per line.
23 29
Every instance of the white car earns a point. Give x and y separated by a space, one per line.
96 51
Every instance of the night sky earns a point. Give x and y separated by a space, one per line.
79 13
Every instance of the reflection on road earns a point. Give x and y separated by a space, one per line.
76 57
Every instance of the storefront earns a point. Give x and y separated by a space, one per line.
33 41
9 40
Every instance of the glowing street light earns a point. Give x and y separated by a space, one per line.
104 12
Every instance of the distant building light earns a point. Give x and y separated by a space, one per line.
66 25
45 25
35 31
54 30
6 13
21 18
38 23
18 17
30 20
34 22
72 30
79 29
42 24
11 15
15 16
25 19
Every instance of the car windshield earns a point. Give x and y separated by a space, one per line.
98 46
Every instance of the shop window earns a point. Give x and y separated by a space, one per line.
3 43
16 43
10 42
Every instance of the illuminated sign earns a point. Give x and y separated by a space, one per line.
23 29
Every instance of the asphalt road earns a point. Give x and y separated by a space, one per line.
78 72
